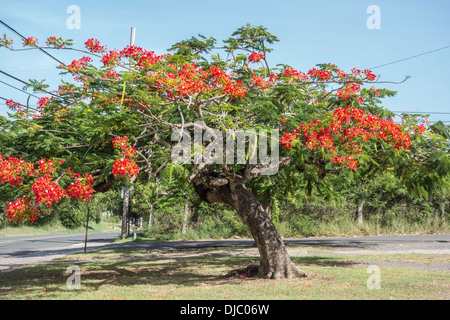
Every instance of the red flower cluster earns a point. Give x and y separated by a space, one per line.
256 57
111 58
320 74
143 58
14 170
76 65
55 42
42 102
190 79
419 129
124 166
292 73
30 41
22 209
346 132
111 74
14 105
47 191
365 75
234 88
81 189
369 75
350 90
93 45
46 166
259 81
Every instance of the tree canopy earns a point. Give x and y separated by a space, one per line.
128 113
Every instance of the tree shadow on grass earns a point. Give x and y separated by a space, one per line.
155 273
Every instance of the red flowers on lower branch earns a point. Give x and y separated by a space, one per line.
22 209
124 166
81 189
44 188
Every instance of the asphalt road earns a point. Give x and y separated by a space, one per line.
16 252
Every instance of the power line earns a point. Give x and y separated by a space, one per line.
18 89
411 57
421 112
20 104
17 79
26 83
23 38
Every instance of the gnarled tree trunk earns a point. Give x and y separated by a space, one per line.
275 261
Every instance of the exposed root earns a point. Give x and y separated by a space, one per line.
253 271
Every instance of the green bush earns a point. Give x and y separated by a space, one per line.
71 215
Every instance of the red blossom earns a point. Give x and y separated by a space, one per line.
124 166
292 73
110 58
14 171
348 129
30 41
14 105
93 45
47 191
320 74
55 42
76 65
42 102
259 81
256 57
81 189
22 209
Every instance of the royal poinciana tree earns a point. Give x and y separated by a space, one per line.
121 115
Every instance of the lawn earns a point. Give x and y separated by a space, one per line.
201 275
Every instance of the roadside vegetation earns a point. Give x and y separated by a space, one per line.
388 210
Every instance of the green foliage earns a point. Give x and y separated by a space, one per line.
71 215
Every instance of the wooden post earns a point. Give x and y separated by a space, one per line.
87 225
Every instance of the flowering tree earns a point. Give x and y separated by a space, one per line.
126 112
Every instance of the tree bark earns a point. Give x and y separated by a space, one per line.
275 261
442 209
187 214
359 213
126 207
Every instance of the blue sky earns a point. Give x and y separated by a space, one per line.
310 32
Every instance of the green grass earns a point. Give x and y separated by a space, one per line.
133 274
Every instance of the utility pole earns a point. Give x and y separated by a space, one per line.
126 190
133 35
87 224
